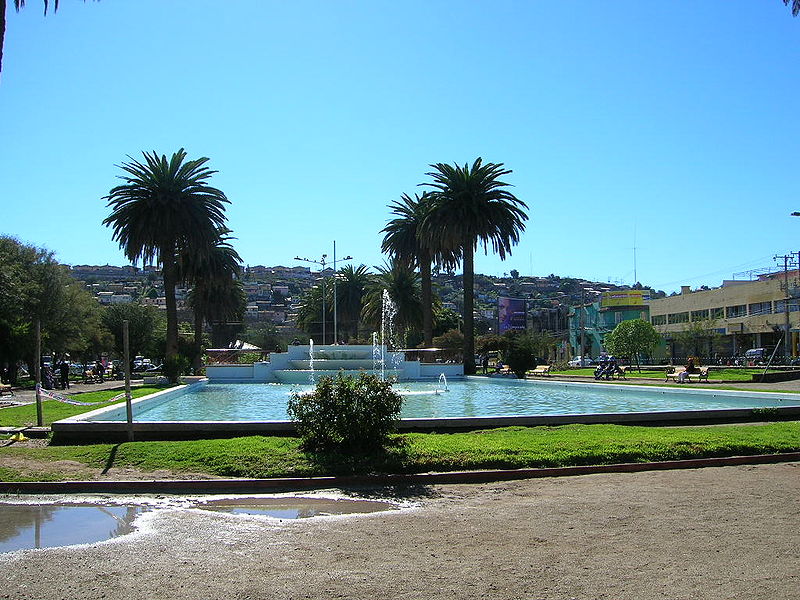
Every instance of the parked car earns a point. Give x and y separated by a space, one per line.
756 356
576 362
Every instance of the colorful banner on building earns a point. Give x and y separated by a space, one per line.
624 298
512 314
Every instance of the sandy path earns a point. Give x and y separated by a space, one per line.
709 533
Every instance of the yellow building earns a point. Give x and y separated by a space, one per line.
742 314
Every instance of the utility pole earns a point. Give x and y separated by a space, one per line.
786 258
322 262
583 327
38 372
335 316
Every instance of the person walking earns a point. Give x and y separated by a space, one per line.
63 371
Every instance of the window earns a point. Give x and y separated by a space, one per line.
699 315
658 319
718 313
794 305
740 310
681 317
760 308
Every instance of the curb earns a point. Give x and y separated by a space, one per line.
215 486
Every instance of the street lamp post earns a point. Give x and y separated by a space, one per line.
321 262
324 262
335 297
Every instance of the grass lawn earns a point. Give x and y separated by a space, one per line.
52 410
507 448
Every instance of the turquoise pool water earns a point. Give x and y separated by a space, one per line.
470 397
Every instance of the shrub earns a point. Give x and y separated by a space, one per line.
174 367
520 356
345 413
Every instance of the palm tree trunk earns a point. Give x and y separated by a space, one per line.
168 272
469 303
427 299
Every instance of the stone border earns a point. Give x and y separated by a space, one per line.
254 486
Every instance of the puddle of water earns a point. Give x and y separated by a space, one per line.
295 508
47 525
24 526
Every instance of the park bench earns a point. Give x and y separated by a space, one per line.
674 373
540 371
5 388
620 373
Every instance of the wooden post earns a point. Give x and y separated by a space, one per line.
38 372
127 360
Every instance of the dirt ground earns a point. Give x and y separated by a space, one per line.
728 532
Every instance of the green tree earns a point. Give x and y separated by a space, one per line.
698 337
225 311
403 286
471 206
445 319
143 323
267 337
351 286
211 273
406 241
166 209
451 343
309 313
632 338
34 286
523 350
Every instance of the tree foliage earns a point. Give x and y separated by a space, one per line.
698 337
164 210
403 286
406 240
143 323
34 286
523 350
472 206
632 338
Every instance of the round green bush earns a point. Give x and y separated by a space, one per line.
345 413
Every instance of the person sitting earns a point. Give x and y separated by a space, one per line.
683 377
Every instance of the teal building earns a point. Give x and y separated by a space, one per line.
592 321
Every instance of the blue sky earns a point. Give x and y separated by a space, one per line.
669 126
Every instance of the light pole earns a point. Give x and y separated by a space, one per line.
321 262
335 297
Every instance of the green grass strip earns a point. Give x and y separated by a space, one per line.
718 374
506 448
52 410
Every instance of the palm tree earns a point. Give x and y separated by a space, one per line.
309 313
350 289
165 209
406 241
403 285
208 273
225 306
471 205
